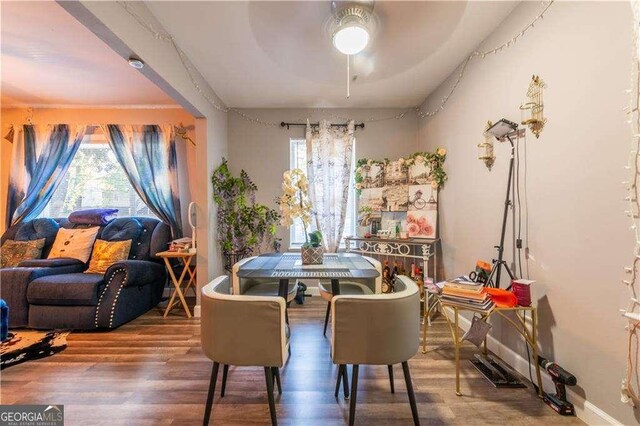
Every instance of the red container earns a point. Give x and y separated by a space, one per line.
522 290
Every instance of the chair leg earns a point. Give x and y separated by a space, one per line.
272 405
225 371
276 374
354 395
212 389
340 367
345 382
393 390
326 318
412 397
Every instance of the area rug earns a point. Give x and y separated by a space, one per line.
28 345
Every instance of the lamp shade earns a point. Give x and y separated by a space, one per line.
351 38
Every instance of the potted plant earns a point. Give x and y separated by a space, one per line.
244 226
295 204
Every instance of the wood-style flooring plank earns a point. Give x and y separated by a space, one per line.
152 371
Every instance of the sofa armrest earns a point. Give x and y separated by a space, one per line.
52 263
136 273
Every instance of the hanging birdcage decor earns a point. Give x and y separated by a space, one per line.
485 149
535 106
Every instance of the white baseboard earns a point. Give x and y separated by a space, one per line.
585 410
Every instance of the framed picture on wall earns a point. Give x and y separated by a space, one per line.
419 173
372 176
422 223
396 173
395 198
422 197
372 198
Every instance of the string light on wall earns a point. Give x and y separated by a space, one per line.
194 75
630 391
482 55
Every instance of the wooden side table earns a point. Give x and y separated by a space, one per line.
185 258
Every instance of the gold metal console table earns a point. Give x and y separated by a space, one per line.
529 332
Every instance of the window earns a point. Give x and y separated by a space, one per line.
95 179
298 160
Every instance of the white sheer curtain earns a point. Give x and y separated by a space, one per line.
329 168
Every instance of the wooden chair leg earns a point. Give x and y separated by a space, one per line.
354 395
393 390
212 389
225 371
340 367
272 405
326 318
276 374
412 397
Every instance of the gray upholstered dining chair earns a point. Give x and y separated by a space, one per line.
351 288
381 329
229 338
252 287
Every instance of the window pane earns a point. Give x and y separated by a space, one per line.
298 160
95 180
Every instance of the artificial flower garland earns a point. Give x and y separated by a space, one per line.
435 160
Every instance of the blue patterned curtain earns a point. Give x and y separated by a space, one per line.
41 156
148 156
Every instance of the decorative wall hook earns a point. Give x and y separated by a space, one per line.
536 119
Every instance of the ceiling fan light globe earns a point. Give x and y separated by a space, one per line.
351 39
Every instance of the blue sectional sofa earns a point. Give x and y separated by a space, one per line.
57 294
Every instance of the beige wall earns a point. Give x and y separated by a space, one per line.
185 150
263 151
579 236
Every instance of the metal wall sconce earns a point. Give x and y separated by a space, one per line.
485 149
535 106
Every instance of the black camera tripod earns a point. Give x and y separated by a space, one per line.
500 262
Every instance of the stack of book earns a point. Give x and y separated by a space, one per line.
464 293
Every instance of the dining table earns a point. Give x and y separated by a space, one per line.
288 266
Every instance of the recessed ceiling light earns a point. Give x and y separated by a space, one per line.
136 63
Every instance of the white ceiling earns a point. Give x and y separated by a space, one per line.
49 58
279 54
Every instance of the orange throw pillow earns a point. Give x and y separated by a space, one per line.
106 253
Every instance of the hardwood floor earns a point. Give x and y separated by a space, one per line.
152 371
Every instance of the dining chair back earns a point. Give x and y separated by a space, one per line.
243 331
377 329
351 287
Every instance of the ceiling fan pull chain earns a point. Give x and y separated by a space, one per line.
348 77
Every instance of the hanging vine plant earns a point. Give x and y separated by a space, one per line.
243 225
435 161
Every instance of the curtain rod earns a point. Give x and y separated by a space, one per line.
287 125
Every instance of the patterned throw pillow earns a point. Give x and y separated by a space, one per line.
13 252
75 243
106 253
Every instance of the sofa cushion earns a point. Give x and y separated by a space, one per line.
75 243
106 253
93 216
66 290
37 229
13 252
122 229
